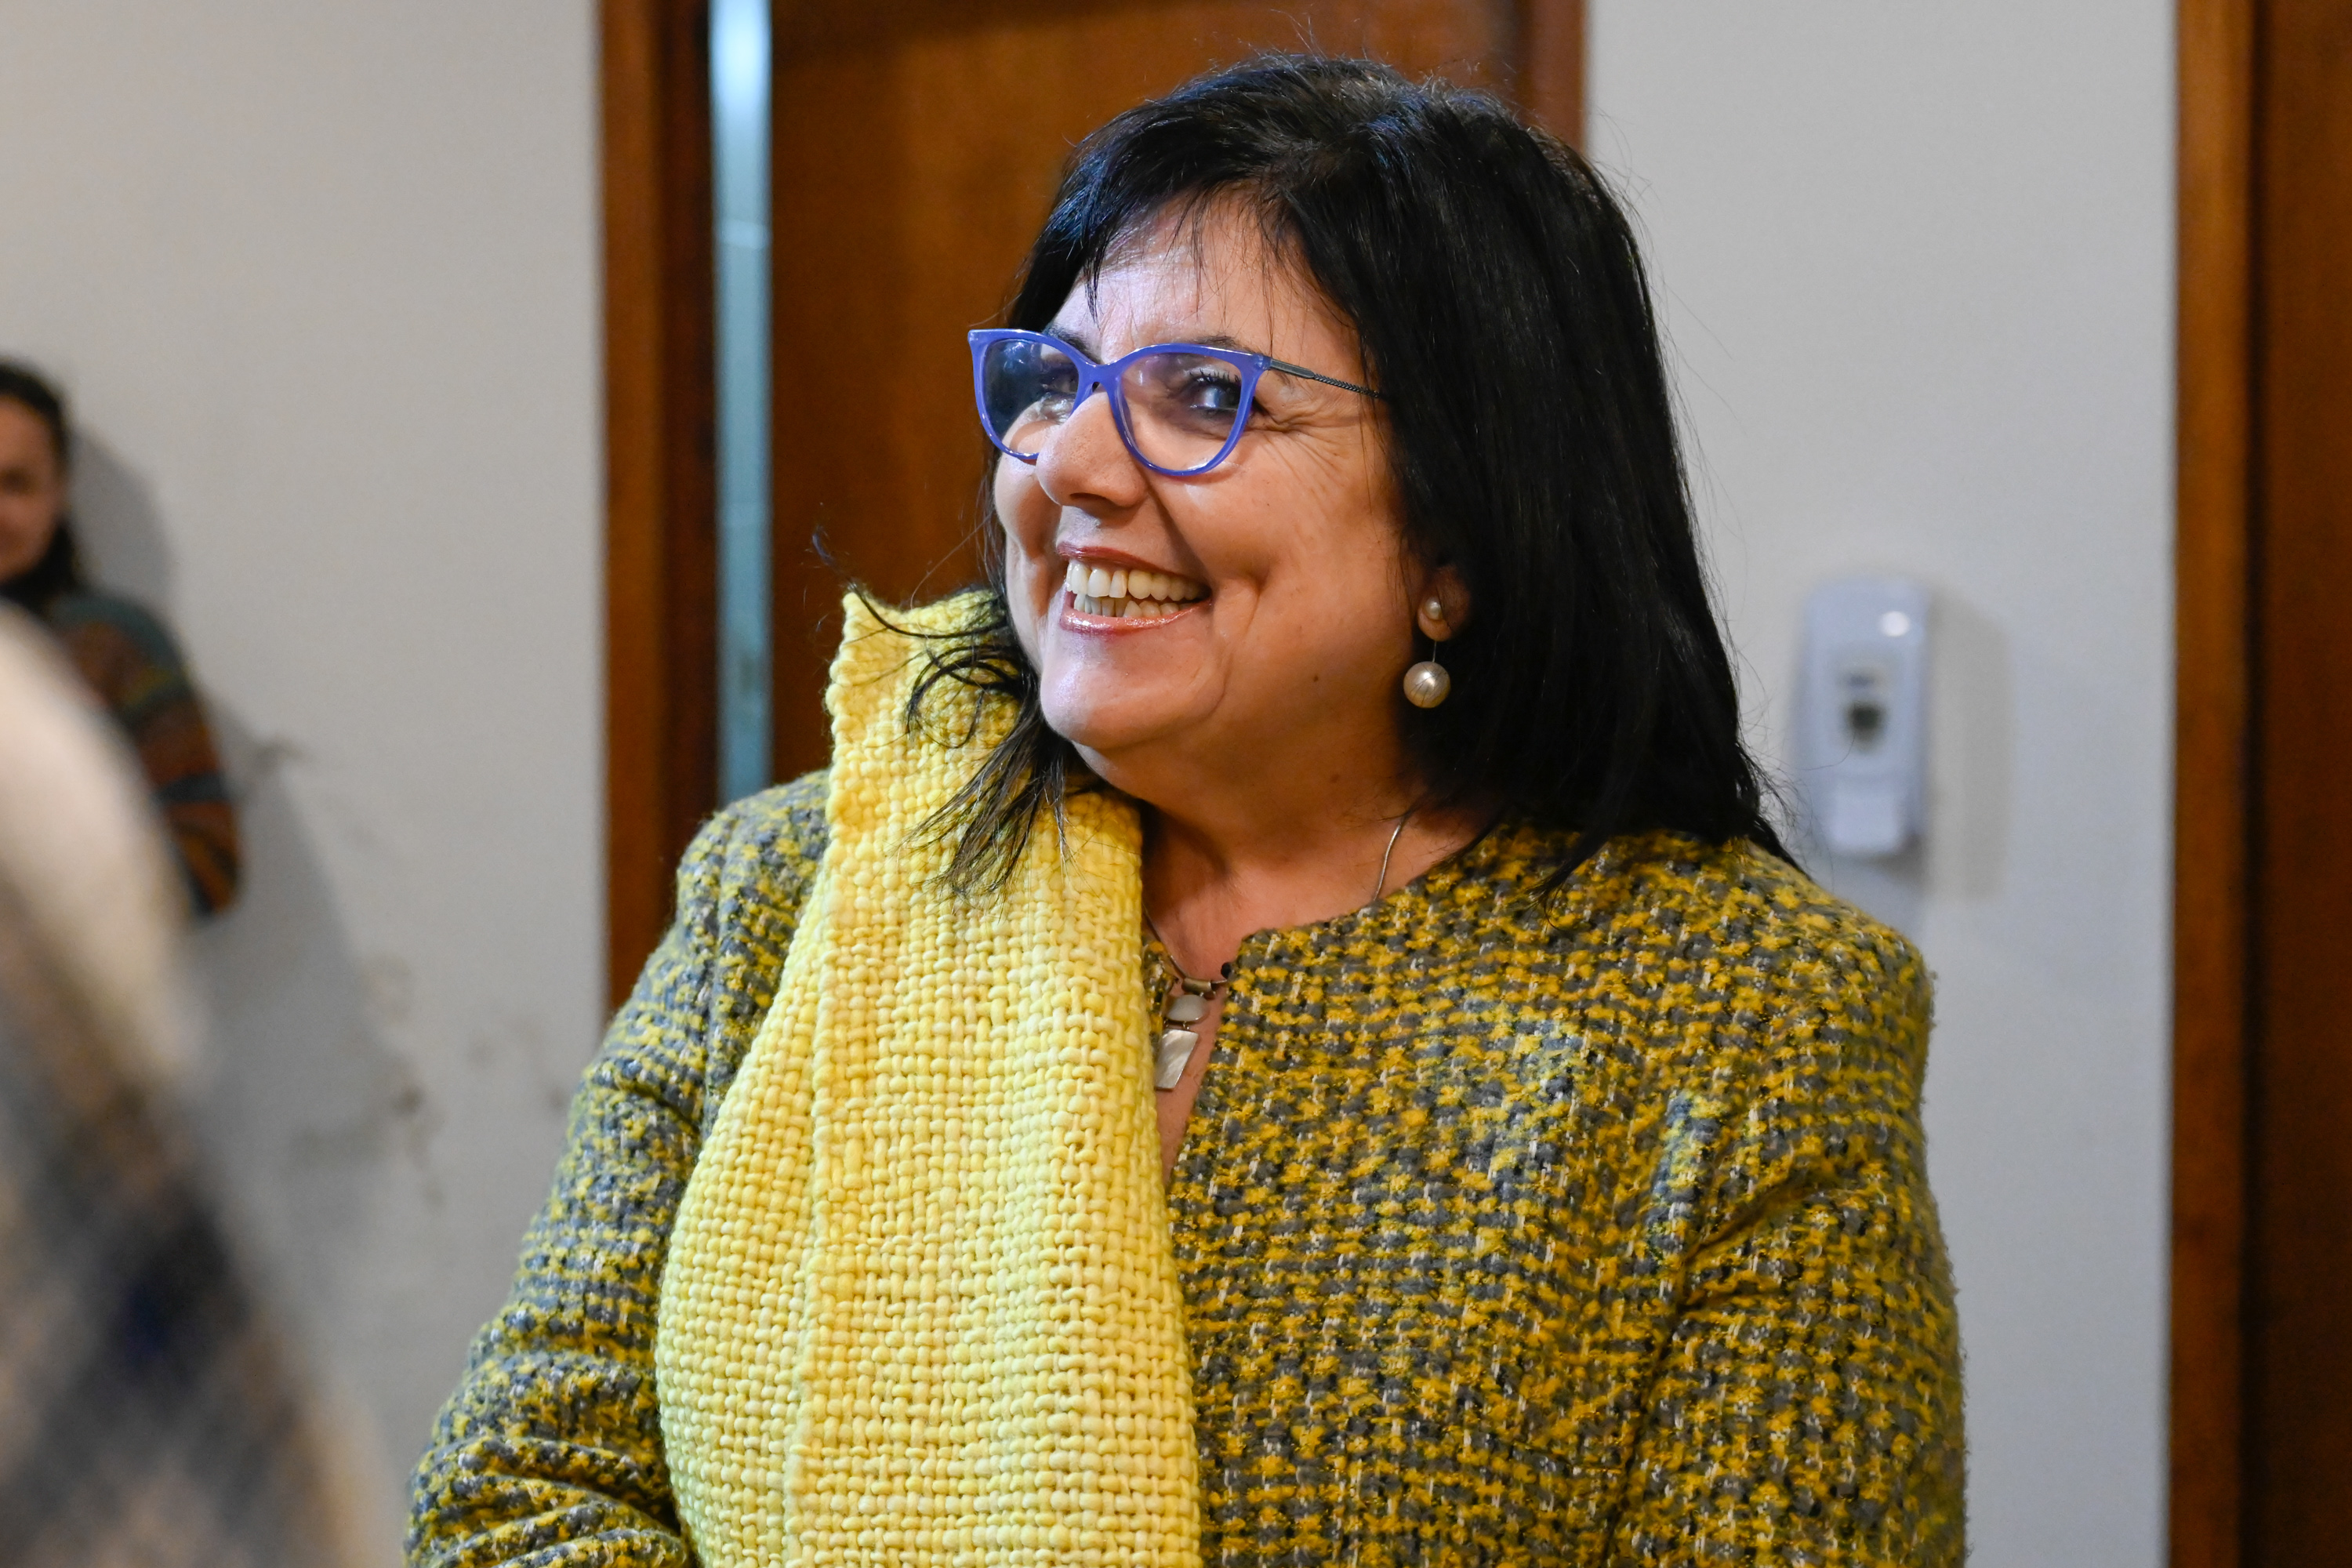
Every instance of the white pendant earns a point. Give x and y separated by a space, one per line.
1175 1051
1186 1008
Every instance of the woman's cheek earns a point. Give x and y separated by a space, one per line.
1019 501
1023 545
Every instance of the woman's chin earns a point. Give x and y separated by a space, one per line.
1109 725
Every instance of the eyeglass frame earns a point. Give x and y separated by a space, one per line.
1104 376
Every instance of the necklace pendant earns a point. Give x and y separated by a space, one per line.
1170 1061
1187 1004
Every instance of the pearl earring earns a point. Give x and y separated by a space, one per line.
1426 684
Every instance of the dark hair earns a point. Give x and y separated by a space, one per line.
1498 294
58 571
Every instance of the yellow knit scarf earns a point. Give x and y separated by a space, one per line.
920 1306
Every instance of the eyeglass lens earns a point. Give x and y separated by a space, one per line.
1181 408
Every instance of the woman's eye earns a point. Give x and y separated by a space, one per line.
1213 394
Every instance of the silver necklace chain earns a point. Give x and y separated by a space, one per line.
1188 998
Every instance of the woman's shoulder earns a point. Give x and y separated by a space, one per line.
1746 896
1735 884
1822 1009
94 606
1735 924
764 848
90 612
741 887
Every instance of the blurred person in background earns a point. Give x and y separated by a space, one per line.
121 650
148 1415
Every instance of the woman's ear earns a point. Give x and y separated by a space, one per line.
1442 608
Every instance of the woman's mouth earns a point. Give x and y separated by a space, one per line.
1128 593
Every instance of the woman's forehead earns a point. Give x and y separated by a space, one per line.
23 434
1205 274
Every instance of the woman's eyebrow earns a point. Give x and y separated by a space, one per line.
1083 342
1227 340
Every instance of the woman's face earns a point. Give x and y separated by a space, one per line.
32 488
1292 617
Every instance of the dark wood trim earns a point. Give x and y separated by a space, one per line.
1551 49
661 659
2211 833
2298 1368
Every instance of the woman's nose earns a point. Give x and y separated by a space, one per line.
1086 466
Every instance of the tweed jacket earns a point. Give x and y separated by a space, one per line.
1593 1230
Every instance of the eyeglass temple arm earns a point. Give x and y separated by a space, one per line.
1288 369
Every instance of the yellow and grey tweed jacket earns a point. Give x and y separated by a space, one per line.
1594 1233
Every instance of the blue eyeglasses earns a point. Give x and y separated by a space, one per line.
1179 407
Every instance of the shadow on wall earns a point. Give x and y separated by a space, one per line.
302 1107
117 526
1971 752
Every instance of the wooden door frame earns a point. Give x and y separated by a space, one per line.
661 563
1549 66
2214 779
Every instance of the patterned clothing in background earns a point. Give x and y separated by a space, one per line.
146 1415
150 1415
129 660
1598 1236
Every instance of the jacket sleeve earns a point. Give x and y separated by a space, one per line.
127 655
549 1450
1806 1406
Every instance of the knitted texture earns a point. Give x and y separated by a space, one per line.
921 1303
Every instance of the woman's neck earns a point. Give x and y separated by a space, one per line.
1210 882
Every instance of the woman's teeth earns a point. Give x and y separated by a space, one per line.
1129 592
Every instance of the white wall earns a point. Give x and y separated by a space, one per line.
1915 262
323 279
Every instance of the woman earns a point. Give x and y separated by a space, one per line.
123 652
1285 1034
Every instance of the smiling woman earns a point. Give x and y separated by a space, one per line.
1285 1034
